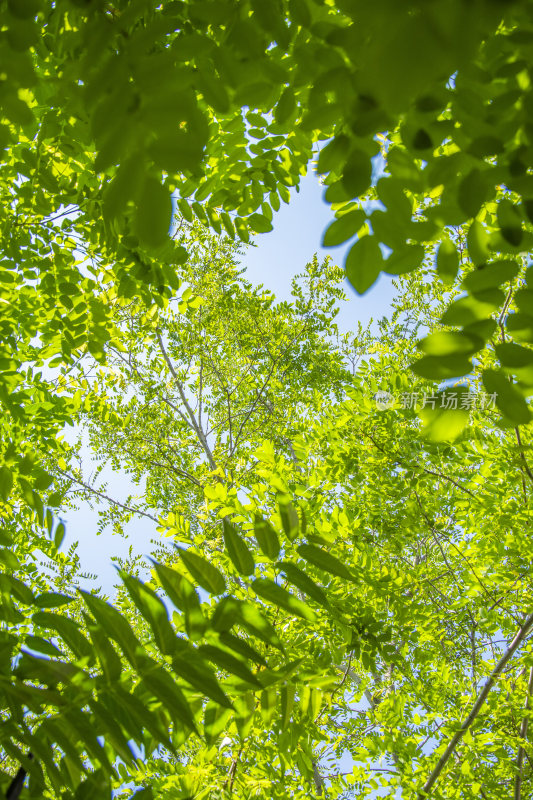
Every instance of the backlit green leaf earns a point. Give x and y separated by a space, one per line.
208 576
238 550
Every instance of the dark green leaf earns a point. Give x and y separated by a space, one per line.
520 326
333 155
153 214
104 650
478 243
240 646
52 600
510 222
472 192
442 367
116 627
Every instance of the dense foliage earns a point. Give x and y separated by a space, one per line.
343 583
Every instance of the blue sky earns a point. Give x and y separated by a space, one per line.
297 236
276 258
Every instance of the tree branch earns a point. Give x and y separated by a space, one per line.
198 430
523 736
476 708
106 497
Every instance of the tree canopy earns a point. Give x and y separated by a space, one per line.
342 581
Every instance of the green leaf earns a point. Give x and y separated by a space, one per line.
59 535
325 561
285 107
287 703
343 228
68 630
520 326
259 223
267 538
123 188
42 646
303 582
116 627
6 482
251 618
244 714
185 209
52 600
510 222
468 310
229 663
357 173
390 192
493 274
289 520
180 590
405 260
514 355
208 576
189 664
163 687
478 243
447 261
104 650
508 399
442 367
242 229
270 591
215 722
446 416
363 263
153 610
228 224
333 155
472 192
9 559
237 550
445 343
153 214
238 645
